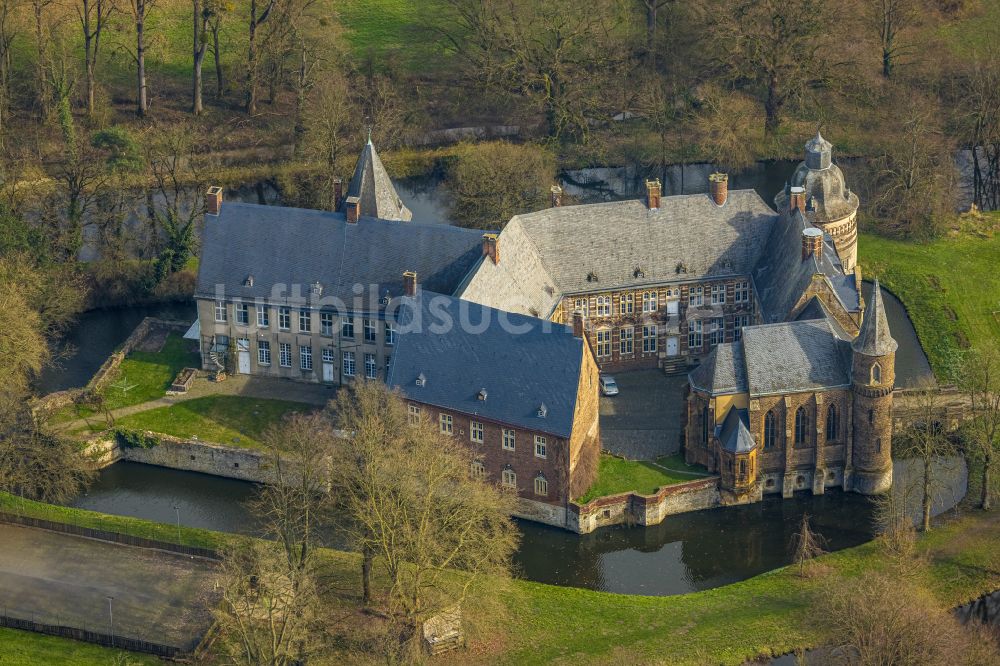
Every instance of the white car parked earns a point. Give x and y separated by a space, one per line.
608 385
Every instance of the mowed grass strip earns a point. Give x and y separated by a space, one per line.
21 648
950 287
617 475
221 419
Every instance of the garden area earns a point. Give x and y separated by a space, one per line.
617 475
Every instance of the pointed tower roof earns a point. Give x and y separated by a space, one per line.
875 338
373 188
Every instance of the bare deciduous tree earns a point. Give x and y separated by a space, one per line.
806 545
980 379
888 20
140 11
259 13
8 13
926 440
93 15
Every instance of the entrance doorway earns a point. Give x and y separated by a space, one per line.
243 356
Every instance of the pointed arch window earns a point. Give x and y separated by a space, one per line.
876 374
770 429
801 426
704 425
832 423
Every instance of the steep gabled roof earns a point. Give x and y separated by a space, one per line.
874 338
735 435
722 372
374 189
462 347
795 357
294 247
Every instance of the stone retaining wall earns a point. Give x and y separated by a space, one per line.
633 508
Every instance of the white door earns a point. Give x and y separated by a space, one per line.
243 349
672 346
328 366
673 307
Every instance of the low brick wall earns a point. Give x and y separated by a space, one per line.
633 508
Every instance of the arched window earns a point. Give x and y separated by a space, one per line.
770 430
801 425
832 423
876 374
743 467
541 485
704 425
878 445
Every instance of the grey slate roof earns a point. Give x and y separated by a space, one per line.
874 338
373 187
826 193
816 310
795 357
294 246
781 276
621 244
735 435
520 371
722 372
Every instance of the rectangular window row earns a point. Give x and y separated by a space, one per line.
326 322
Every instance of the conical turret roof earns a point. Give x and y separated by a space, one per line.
875 339
374 189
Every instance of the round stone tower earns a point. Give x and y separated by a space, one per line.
873 374
829 203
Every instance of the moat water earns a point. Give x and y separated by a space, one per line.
685 553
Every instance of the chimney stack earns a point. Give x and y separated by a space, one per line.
491 247
797 199
410 283
555 196
338 193
653 193
353 209
718 188
812 243
578 325
213 200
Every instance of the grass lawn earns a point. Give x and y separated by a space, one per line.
616 475
223 419
20 648
950 286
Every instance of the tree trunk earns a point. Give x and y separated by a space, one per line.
927 494
772 106
140 57
41 67
366 576
886 63
199 58
218 61
985 493
251 95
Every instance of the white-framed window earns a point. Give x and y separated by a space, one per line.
603 306
694 334
476 432
284 318
326 323
582 305
478 470
369 330
540 446
649 301
626 305
696 296
371 369
306 358
220 311
649 338
739 321
742 292
328 355
412 413
263 352
349 366
263 316
347 328
242 314
604 342
508 439
305 321
508 479
447 424
541 486
718 294
625 338
390 333
284 355
716 331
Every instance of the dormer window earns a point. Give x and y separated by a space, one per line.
482 394
638 273
681 268
876 374
542 411
317 289
591 276
421 380
248 282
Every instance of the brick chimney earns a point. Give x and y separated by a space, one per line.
555 196
812 243
213 200
577 324
410 283
338 193
353 209
797 199
491 247
653 193
718 188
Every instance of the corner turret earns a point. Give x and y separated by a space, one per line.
373 189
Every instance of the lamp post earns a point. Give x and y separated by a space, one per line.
111 621
177 510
